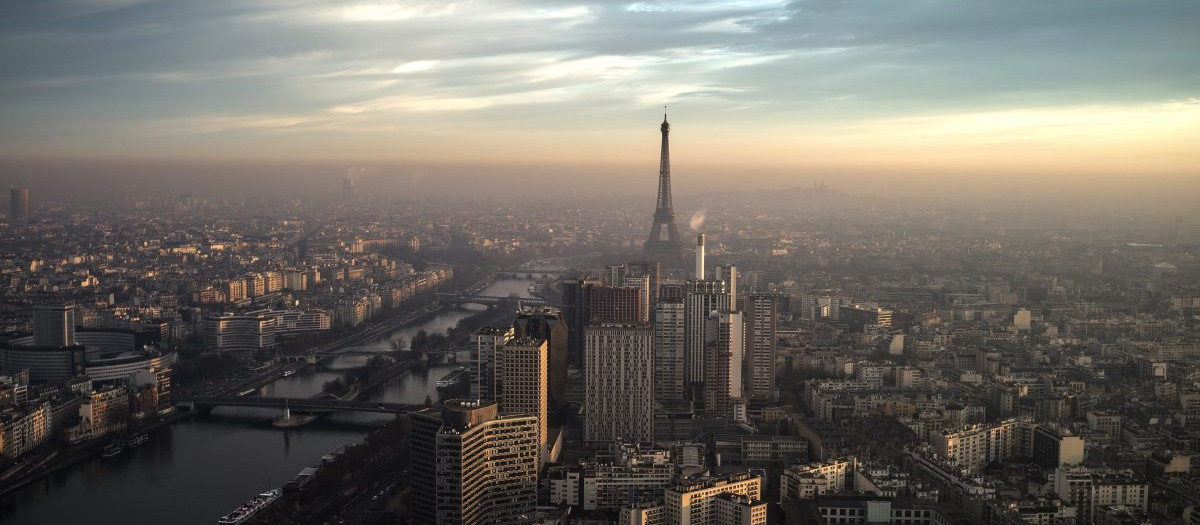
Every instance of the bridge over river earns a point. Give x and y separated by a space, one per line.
312 405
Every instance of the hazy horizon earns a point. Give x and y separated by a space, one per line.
771 89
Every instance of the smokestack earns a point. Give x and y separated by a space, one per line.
700 256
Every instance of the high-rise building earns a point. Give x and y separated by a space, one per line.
524 382
729 274
694 502
619 383
548 323
762 318
643 275
724 337
663 244
621 305
669 382
488 343
54 326
472 466
18 204
703 297
348 192
576 298
650 270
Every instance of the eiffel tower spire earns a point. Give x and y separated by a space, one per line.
663 243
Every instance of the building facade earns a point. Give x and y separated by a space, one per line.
619 383
472 466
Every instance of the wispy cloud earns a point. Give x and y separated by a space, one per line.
867 68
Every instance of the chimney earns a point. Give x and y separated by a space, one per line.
700 256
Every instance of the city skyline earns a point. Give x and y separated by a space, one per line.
1098 88
402 262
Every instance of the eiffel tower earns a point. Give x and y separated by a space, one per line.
663 243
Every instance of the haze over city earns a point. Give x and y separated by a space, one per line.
778 93
518 262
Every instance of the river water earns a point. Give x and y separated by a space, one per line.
195 471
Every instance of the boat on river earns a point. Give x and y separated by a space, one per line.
248 509
455 384
135 440
112 450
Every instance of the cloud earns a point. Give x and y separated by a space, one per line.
226 68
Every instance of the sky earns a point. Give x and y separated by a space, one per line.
781 89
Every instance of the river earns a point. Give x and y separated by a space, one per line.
197 470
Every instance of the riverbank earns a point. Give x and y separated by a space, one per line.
81 453
210 464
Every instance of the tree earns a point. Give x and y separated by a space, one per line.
420 342
399 345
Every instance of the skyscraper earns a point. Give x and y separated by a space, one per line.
619 383
348 192
548 323
576 295
612 304
703 297
724 353
729 274
18 204
669 349
489 342
524 382
54 326
471 466
650 270
663 244
762 314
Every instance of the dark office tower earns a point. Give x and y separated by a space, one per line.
703 297
548 324
622 305
348 192
663 244
668 346
54 326
762 314
471 466
18 204
576 293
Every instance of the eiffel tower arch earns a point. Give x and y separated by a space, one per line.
663 243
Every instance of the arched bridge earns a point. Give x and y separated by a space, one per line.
299 405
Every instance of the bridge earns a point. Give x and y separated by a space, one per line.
313 357
317 405
536 272
490 300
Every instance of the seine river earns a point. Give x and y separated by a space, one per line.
195 471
